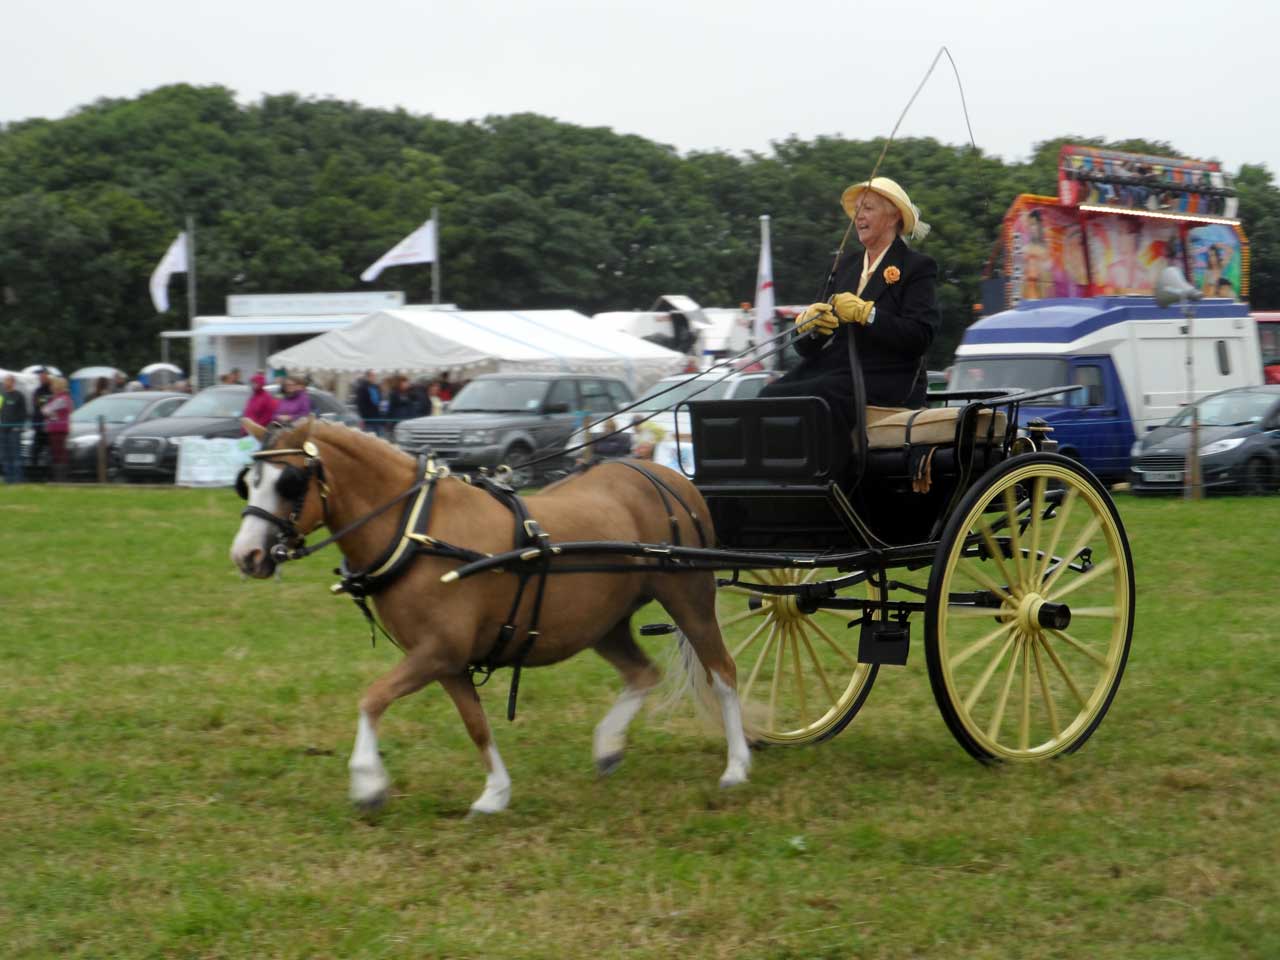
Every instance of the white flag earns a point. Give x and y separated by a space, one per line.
417 247
173 261
762 329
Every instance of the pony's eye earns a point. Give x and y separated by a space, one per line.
292 483
242 486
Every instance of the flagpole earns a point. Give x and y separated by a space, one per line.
191 301
435 264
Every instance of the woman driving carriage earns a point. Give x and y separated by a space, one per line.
887 293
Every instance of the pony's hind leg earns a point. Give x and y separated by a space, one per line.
640 676
369 779
691 600
497 785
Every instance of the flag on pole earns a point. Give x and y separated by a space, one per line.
762 329
173 261
417 247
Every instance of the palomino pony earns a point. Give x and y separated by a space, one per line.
318 473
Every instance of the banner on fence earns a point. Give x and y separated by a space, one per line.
212 463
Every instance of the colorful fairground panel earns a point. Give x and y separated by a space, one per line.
1119 219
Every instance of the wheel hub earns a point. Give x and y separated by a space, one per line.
1035 614
786 609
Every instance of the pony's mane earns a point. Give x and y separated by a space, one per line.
355 443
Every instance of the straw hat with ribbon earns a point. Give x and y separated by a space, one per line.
912 226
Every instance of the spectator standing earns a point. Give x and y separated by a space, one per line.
295 402
434 399
402 405
13 417
57 424
261 408
39 439
101 388
368 402
446 388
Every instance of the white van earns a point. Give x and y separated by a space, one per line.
1138 362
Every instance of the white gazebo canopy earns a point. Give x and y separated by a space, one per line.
464 343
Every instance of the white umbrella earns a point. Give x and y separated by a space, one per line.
93 373
160 367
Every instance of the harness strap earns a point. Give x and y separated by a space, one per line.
662 485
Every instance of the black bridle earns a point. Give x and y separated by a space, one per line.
292 486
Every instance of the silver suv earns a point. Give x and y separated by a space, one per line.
512 418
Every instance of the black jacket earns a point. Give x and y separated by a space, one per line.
14 412
891 348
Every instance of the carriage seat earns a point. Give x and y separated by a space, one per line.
892 427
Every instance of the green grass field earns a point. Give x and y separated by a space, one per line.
173 779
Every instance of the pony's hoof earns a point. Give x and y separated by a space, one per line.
731 780
372 803
481 811
607 764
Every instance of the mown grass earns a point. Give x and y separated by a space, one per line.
172 780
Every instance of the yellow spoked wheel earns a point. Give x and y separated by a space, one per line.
798 673
1030 610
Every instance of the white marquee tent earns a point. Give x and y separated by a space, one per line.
464 343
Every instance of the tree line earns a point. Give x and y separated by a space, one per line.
292 194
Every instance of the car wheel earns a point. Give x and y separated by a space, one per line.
517 458
1257 476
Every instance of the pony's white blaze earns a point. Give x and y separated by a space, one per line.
369 780
739 753
497 785
256 534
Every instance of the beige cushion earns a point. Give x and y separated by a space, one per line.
887 426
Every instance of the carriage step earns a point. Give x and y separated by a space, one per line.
886 643
657 629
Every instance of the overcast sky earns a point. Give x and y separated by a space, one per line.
697 74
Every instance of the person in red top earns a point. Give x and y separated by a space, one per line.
57 423
261 407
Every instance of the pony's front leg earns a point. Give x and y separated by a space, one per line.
369 779
497 785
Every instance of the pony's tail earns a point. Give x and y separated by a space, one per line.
686 679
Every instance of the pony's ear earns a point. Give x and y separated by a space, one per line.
253 429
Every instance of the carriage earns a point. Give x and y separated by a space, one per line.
1014 554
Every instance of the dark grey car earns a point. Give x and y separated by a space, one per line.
149 451
511 418
1239 444
119 411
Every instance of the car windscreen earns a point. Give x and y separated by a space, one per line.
1012 373
1228 410
116 408
657 399
500 396
215 403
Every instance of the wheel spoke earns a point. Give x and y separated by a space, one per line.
1097 570
1086 535
751 638
1107 612
795 660
993 729
1044 690
1093 655
834 646
743 590
1024 728
764 652
1037 507
817 665
737 618
1064 513
1011 511
981 579
979 645
997 554
959 610
777 678
983 680
1066 675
